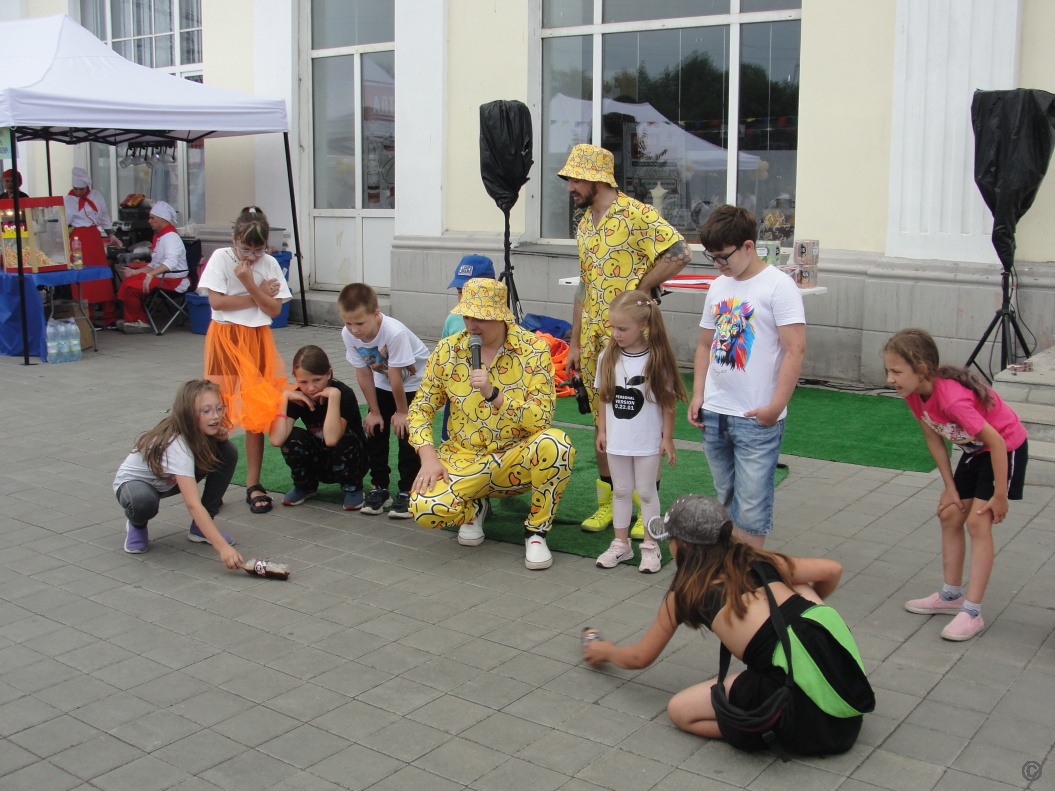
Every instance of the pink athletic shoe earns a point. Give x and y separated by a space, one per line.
963 627
935 605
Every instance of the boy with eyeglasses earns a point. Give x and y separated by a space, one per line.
748 359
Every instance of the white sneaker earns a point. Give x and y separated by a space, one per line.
132 327
536 553
617 552
651 559
471 534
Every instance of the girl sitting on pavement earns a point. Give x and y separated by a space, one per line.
188 445
331 447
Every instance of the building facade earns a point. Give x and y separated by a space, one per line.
845 123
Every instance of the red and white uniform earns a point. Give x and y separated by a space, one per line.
88 216
168 249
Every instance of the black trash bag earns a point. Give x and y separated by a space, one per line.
1014 135
505 150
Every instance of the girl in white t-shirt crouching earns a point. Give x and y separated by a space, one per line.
639 385
188 445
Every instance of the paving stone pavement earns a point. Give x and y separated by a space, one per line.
396 659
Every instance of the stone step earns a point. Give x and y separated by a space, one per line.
1035 387
1040 471
322 308
1039 420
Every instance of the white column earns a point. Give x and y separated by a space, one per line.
421 122
945 50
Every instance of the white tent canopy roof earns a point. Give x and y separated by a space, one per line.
59 82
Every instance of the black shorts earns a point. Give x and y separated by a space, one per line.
974 474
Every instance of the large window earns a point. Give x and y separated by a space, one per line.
160 34
698 111
353 77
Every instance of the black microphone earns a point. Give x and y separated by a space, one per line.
475 345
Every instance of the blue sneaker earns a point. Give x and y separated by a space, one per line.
296 495
353 498
195 535
136 539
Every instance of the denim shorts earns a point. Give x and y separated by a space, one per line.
743 454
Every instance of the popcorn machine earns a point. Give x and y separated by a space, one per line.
45 236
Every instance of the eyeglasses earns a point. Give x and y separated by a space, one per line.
209 411
722 259
245 253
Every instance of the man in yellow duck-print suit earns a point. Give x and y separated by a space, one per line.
500 440
623 244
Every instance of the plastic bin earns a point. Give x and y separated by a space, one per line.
200 313
284 259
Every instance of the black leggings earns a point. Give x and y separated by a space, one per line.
311 461
377 447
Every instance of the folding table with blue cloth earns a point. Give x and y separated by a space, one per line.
11 311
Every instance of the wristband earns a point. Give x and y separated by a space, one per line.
281 415
493 395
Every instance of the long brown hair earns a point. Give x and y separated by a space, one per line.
663 384
702 567
918 349
182 421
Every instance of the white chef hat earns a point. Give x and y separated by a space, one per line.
164 211
81 178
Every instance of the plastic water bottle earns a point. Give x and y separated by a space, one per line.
76 254
75 340
51 343
64 343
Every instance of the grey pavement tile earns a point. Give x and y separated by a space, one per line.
302 781
461 761
170 689
131 672
307 701
967 694
211 707
546 707
1012 733
261 684
719 761
13 757
304 746
795 776
405 740
96 756
945 718
351 643
356 767
39 675
411 778
155 730
355 720
25 712
255 726
898 773
394 658
914 741
39 776
624 771
483 653
351 678
303 662
442 673
491 690
583 683
532 668
52 737
662 742
994 763
954 780
563 752
450 714
435 639
144 774
94 656
678 780
399 695
610 729
249 771
200 751
517 775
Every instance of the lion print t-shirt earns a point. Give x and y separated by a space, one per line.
746 353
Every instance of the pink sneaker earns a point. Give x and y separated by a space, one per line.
935 605
617 553
963 627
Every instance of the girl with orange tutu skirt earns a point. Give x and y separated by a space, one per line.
246 289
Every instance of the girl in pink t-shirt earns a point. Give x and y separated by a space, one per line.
953 404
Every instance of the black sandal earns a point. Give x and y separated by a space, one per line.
261 503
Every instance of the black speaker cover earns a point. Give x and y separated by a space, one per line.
505 150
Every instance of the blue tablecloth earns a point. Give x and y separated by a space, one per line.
10 312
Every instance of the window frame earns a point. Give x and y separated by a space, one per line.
597 30
181 70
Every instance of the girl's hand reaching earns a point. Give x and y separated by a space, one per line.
998 506
230 557
595 652
950 497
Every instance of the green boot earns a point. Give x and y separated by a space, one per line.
602 517
637 531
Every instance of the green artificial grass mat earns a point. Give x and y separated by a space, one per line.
690 475
855 428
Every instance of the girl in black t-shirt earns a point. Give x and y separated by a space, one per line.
331 448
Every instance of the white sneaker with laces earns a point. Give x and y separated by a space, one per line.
617 552
471 534
536 554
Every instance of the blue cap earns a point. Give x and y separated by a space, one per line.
472 266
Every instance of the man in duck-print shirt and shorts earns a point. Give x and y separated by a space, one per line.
623 244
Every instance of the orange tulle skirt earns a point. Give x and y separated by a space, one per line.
244 362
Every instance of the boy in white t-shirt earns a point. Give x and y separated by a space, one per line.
748 359
388 360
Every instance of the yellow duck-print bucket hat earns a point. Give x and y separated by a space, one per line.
589 163
484 299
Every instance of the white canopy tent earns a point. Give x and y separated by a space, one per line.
59 83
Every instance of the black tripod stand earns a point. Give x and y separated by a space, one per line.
1007 320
